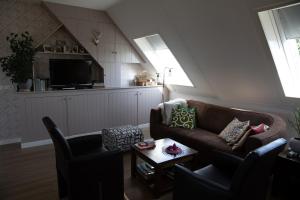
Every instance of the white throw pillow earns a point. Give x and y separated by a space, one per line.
166 109
234 131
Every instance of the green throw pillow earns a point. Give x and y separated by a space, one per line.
183 117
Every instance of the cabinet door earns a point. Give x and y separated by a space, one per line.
38 107
123 53
148 99
112 74
87 113
135 57
122 108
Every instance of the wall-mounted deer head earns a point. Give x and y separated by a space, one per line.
96 37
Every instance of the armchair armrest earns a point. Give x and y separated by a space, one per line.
187 182
226 161
85 143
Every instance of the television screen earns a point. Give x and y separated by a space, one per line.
68 72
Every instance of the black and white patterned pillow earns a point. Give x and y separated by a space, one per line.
234 131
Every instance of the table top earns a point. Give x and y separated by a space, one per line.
283 155
158 155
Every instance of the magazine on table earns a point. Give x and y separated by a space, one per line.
146 144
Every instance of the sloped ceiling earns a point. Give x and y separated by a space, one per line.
93 4
220 45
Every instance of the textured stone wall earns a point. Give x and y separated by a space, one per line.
18 16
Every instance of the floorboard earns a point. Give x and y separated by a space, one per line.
30 174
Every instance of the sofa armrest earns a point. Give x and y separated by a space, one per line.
277 130
155 116
155 122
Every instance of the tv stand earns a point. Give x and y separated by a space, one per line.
72 87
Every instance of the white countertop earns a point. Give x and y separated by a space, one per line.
87 90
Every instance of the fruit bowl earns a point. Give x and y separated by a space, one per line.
173 149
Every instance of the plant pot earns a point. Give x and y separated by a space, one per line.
294 144
25 87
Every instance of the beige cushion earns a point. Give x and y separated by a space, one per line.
241 142
234 131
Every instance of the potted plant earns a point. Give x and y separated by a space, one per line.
18 65
294 142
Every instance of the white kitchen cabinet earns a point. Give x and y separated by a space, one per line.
122 108
38 107
147 99
112 74
86 113
114 47
82 112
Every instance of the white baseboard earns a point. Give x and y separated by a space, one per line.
10 141
49 141
144 125
36 143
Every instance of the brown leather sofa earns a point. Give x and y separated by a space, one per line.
210 121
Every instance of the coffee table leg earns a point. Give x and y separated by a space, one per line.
157 182
133 163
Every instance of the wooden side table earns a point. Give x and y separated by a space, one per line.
286 177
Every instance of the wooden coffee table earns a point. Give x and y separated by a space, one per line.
160 161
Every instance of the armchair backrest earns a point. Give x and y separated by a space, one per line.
62 148
251 179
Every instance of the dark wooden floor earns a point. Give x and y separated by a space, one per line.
30 174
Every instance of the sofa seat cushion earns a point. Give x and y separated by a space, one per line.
209 140
198 139
214 174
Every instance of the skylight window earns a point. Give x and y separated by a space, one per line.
282 29
163 60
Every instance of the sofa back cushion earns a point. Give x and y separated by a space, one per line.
215 118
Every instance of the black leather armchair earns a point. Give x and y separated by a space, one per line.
85 169
229 177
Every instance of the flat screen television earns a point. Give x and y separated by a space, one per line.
71 73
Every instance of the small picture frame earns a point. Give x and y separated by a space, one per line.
75 49
47 48
81 50
59 49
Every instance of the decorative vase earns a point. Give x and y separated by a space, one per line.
26 86
294 144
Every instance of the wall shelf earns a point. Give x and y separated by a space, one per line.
61 53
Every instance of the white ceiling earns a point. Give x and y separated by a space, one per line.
93 4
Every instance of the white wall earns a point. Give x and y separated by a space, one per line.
18 16
220 45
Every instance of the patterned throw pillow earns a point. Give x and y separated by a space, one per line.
234 131
239 144
183 117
